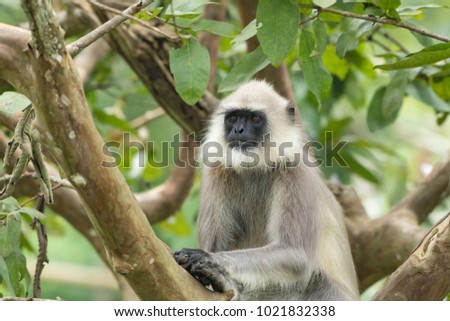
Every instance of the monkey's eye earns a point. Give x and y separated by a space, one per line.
255 119
232 118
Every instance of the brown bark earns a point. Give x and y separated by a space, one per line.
380 245
67 127
211 41
426 273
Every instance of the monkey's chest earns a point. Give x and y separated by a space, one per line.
249 210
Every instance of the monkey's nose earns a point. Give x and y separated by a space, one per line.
239 129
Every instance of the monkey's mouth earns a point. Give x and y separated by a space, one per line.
243 145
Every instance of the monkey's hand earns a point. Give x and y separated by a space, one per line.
205 267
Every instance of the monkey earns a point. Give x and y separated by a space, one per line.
268 226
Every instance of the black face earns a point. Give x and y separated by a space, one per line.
244 128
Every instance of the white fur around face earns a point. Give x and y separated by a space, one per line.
286 140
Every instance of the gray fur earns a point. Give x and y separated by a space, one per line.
275 233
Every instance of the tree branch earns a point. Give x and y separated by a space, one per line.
429 193
133 249
88 58
211 41
75 47
426 273
374 19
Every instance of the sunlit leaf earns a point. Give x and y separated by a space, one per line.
223 29
336 66
190 66
280 20
12 102
246 33
324 3
426 56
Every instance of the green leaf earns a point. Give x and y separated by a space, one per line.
317 77
5 276
31 212
9 204
307 44
243 71
190 66
441 86
358 168
9 234
219 28
185 9
246 33
336 66
17 268
375 117
395 91
280 20
324 3
421 91
320 33
426 56
349 40
12 102
112 120
424 40
386 4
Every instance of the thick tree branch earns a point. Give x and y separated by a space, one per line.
380 245
426 273
62 111
429 193
375 19
211 41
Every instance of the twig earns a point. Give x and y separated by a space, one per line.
311 18
38 196
43 244
55 180
395 42
148 26
388 21
378 43
147 117
75 47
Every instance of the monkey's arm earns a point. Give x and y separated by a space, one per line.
246 270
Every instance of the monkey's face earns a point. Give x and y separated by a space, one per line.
253 128
244 128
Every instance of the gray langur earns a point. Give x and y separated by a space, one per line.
268 226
